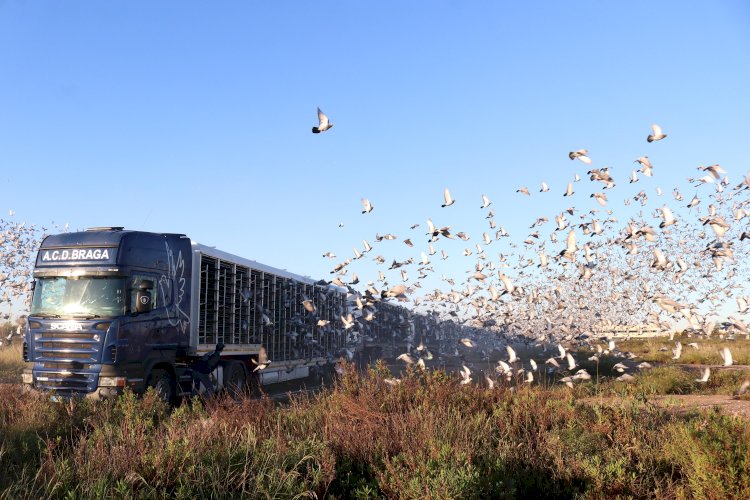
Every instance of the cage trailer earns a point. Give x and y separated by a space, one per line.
113 308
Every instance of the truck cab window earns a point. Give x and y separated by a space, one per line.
84 295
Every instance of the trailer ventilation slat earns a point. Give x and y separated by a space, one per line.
245 306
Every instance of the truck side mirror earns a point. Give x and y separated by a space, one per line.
143 302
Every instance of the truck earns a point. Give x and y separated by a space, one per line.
114 309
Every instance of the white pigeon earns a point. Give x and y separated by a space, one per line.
448 199
743 389
503 367
726 355
512 358
553 362
677 351
581 154
571 362
260 366
323 123
656 134
366 206
704 378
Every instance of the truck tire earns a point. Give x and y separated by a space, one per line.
163 384
254 385
235 378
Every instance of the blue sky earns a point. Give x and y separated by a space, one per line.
195 117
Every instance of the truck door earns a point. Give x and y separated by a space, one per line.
150 338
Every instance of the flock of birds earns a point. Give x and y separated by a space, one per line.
564 363
677 264
19 243
567 282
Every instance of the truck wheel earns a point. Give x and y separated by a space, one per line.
163 385
254 385
235 378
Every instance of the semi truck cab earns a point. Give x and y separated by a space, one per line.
110 309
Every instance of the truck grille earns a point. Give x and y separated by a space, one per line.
66 361
58 346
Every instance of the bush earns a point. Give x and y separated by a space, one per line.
425 437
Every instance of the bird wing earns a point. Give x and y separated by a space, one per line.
322 119
571 242
727 355
571 361
447 196
511 353
667 214
656 129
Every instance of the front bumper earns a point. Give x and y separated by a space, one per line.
105 385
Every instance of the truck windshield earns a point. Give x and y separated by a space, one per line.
84 296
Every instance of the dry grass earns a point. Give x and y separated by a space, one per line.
11 361
707 352
427 437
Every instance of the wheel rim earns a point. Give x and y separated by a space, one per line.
163 389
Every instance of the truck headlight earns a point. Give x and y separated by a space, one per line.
27 378
112 381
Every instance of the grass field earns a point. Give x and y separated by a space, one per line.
707 351
11 363
426 437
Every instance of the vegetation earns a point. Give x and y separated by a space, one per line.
424 437
659 349
11 362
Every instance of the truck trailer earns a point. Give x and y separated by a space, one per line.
113 308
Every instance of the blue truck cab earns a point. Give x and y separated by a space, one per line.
110 308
